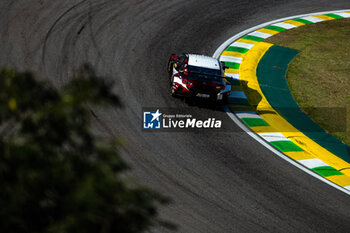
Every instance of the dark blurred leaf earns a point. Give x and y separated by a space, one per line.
55 175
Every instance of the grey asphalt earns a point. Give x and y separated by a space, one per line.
219 181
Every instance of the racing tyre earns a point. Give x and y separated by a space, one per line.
172 89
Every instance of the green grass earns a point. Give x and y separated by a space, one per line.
319 76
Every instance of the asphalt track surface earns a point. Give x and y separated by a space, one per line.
219 182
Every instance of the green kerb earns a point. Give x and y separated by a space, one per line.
253 38
327 171
253 122
286 146
232 65
334 16
304 21
275 28
237 49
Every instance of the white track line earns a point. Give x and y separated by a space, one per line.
242 45
248 115
231 59
231 75
260 34
313 19
313 163
273 137
284 25
344 14
234 118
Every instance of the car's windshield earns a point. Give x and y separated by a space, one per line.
200 73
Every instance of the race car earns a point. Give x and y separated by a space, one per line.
198 76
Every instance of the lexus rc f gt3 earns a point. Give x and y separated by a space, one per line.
198 76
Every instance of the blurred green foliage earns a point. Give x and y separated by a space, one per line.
55 175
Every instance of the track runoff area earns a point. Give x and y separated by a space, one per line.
267 116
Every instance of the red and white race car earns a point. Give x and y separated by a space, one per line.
199 76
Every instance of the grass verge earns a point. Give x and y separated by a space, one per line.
319 76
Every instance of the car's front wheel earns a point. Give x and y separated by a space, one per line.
170 68
172 89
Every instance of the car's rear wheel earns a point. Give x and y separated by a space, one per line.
224 99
